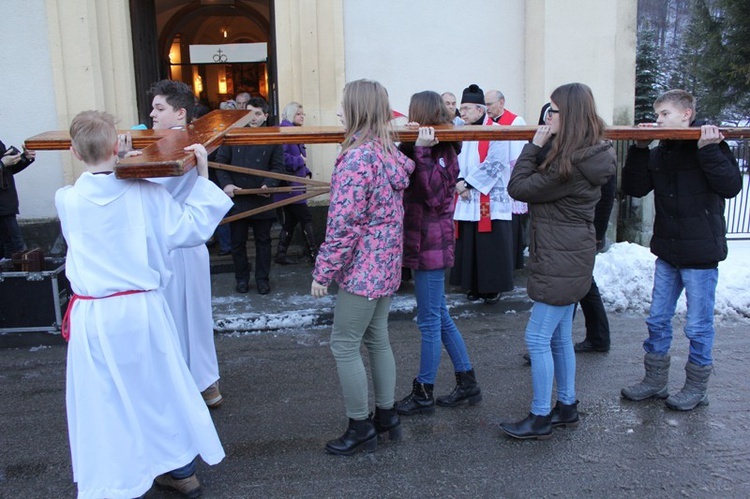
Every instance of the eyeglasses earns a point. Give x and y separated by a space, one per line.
551 111
466 109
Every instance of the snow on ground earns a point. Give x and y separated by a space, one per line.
625 276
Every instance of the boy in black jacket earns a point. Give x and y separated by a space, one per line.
690 180
267 157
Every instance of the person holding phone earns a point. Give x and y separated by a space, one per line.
13 161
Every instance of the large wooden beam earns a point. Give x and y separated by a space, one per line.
163 153
330 134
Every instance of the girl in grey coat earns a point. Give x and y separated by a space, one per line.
560 175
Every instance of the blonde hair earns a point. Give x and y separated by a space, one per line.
367 115
290 110
93 136
679 98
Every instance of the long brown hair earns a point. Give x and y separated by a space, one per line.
580 126
428 109
367 115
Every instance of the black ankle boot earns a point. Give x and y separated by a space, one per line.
359 435
386 420
533 426
419 401
466 389
565 414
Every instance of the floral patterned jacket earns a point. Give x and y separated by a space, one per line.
364 233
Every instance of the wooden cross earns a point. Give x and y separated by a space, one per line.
163 153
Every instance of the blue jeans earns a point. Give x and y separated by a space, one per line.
700 291
223 235
11 240
436 326
549 339
184 472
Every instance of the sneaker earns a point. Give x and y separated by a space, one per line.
190 487
212 395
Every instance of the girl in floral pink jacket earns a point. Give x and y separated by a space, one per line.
362 253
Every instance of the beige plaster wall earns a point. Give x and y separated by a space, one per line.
92 63
310 54
589 41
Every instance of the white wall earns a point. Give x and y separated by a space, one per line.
440 45
27 102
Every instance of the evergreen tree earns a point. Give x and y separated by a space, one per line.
647 87
703 61
737 35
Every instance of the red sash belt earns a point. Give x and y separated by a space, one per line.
65 328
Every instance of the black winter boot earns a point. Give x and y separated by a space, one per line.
359 435
693 394
565 414
533 426
419 401
285 239
312 247
386 420
466 389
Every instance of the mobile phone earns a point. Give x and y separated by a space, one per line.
12 151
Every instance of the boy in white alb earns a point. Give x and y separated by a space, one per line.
134 412
189 292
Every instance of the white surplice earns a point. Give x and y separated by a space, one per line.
189 295
489 177
134 410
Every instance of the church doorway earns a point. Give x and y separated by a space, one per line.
217 47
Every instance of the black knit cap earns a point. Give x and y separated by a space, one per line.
473 95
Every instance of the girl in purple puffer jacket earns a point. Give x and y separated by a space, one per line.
362 253
429 243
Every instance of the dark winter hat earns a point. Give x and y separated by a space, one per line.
473 95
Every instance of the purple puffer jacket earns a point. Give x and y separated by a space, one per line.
364 232
294 164
429 239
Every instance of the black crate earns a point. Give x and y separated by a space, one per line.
33 301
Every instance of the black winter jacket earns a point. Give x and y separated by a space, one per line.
690 186
268 158
8 194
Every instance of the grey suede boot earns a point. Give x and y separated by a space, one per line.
654 384
693 393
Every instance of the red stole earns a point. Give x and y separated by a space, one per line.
485 221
